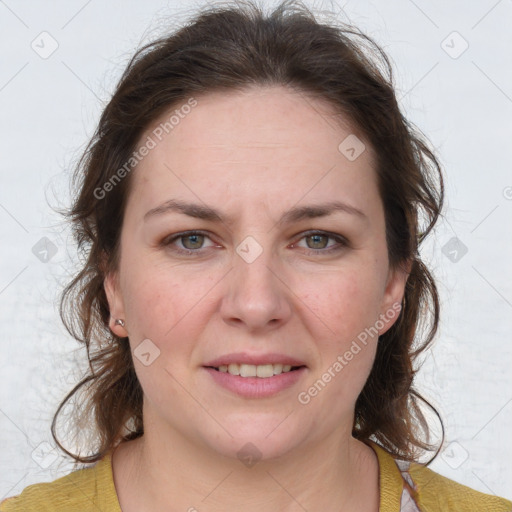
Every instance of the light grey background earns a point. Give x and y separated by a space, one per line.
461 100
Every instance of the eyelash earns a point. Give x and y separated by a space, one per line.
342 242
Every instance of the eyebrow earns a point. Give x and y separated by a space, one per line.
296 214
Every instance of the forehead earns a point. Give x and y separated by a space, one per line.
260 136
257 115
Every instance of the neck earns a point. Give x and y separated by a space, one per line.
150 474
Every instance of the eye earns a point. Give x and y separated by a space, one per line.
191 242
318 242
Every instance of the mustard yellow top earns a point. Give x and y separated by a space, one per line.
403 487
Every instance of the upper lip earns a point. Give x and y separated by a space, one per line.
254 359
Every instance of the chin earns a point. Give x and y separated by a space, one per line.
257 441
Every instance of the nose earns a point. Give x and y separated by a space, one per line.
257 296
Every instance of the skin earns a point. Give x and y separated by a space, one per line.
252 155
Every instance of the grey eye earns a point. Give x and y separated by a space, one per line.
196 241
318 243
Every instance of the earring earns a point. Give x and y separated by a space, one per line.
119 322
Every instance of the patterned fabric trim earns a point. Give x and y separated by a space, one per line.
407 502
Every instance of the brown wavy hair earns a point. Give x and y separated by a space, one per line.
229 48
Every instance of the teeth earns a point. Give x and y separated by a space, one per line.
250 370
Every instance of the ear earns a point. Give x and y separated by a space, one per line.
115 302
394 294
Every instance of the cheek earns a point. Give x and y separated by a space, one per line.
349 307
165 305
170 312
346 302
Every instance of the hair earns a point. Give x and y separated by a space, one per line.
231 48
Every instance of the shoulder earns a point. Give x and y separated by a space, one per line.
413 487
436 492
88 489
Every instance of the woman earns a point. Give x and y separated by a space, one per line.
251 207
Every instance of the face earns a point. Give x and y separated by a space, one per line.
262 267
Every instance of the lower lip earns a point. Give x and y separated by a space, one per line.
256 387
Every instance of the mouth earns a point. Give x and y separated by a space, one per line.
256 381
262 371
